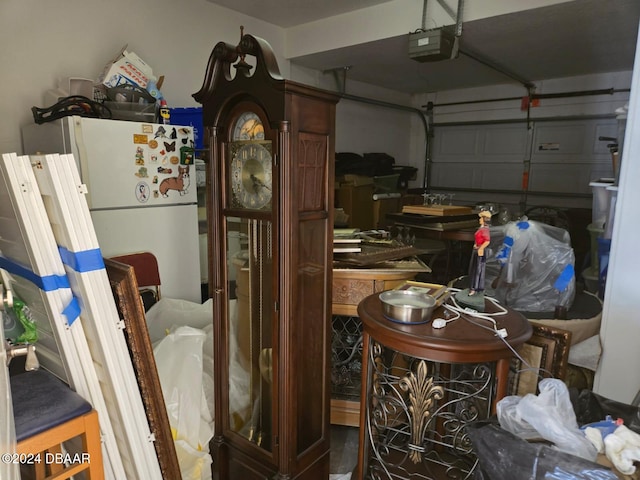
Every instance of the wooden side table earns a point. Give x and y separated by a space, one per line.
421 386
350 286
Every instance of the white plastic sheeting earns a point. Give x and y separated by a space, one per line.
183 350
531 266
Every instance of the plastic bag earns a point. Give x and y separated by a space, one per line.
179 359
504 456
551 414
510 419
591 407
533 266
171 312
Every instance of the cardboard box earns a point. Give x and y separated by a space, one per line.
127 67
357 180
357 202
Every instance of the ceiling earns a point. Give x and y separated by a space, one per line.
579 37
289 13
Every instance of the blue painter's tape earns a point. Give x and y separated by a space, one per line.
48 283
72 311
523 225
85 261
565 277
505 250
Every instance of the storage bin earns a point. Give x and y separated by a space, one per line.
604 246
386 183
134 112
190 117
600 207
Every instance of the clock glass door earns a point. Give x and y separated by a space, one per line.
250 262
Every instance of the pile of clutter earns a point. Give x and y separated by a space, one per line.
126 89
550 416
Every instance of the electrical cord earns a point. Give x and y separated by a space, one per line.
470 316
442 322
455 307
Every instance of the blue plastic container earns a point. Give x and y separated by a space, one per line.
190 117
604 246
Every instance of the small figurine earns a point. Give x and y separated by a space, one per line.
477 265
473 297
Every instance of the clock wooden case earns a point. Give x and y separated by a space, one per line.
269 211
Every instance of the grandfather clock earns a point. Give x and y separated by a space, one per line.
270 199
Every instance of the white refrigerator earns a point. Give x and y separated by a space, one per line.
141 184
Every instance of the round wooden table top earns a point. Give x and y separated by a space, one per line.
465 340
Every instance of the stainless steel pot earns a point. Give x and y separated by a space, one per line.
407 306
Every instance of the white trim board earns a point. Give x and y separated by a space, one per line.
67 209
28 241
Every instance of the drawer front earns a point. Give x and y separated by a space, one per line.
351 291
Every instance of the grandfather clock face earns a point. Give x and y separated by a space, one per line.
251 183
251 160
250 268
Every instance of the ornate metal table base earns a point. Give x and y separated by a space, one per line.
346 357
417 411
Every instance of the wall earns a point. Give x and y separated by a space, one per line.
365 127
44 41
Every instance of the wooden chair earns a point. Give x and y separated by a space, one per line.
47 413
145 266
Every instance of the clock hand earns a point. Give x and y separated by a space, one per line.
257 182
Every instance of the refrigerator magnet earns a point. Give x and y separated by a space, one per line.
142 192
140 139
139 156
142 172
186 155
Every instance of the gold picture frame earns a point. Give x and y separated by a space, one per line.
131 310
544 355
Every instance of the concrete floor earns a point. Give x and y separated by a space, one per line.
344 451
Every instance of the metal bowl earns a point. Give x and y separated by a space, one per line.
406 306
